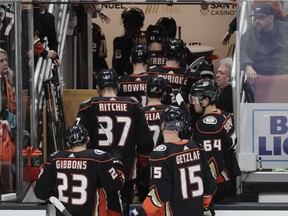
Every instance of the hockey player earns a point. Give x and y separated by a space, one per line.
170 26
156 91
134 85
181 181
156 87
215 131
117 124
80 177
174 72
156 37
133 21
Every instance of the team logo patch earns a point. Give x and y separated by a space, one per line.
160 148
210 120
98 152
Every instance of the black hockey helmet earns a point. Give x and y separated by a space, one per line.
169 24
107 78
206 69
156 86
155 33
173 119
175 49
140 53
133 18
204 88
77 134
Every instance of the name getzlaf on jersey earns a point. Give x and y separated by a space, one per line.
171 185
117 123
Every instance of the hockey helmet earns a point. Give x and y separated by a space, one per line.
173 119
206 69
175 49
140 53
169 24
155 33
133 18
156 87
204 88
77 134
107 78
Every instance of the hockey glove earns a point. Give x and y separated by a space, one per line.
138 212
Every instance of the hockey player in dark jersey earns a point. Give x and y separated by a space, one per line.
117 124
174 72
181 181
170 26
156 37
134 85
156 87
215 131
133 21
156 90
80 178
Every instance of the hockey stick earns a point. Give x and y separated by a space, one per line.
57 203
192 65
179 98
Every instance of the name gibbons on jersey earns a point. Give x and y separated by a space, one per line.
187 157
177 79
151 116
71 164
106 107
134 87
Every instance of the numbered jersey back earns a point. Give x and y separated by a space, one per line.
117 123
79 179
179 177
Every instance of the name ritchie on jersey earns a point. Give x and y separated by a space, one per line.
187 157
106 107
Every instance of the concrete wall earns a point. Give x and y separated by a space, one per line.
198 24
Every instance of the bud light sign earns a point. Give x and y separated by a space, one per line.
270 134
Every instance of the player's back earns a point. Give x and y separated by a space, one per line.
181 176
117 123
215 131
81 178
122 46
153 115
134 86
175 76
157 58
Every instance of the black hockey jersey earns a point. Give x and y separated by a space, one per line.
180 177
117 123
134 86
215 131
122 47
80 180
152 115
175 76
157 58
